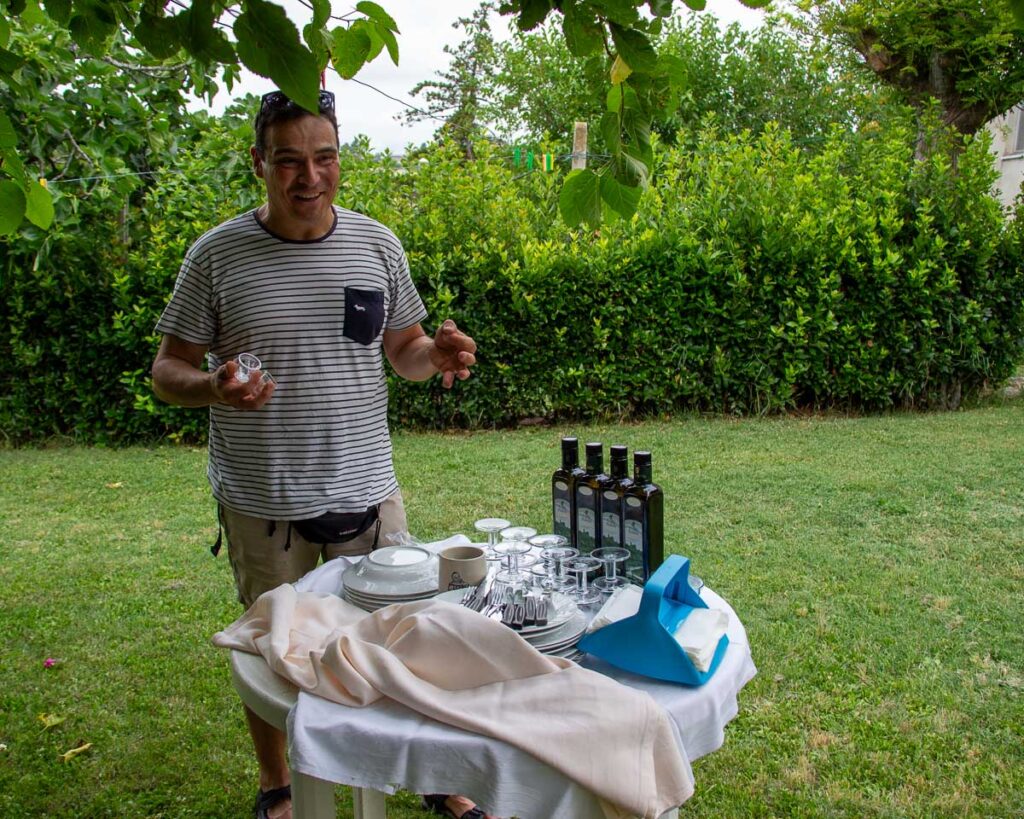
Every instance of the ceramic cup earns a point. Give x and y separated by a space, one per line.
460 566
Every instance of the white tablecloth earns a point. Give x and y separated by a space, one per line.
387 746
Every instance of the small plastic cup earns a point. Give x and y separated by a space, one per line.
247 364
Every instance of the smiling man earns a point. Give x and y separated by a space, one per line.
299 463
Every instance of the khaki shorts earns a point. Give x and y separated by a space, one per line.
256 547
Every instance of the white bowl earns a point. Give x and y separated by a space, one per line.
393 570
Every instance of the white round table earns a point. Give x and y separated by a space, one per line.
385 746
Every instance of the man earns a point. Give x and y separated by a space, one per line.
300 463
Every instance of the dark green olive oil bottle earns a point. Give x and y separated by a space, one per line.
588 499
563 491
643 522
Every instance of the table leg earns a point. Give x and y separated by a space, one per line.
312 798
368 804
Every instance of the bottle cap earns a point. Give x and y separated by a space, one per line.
641 457
619 453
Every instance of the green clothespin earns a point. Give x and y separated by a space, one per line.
549 162
529 160
517 156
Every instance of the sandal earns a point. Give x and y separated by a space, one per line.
435 803
265 800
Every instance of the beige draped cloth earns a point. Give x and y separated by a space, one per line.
459 668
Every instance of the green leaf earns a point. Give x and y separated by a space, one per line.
319 42
623 12
610 130
12 207
14 167
92 24
755 4
532 13
59 10
583 33
634 47
199 35
158 34
376 41
15 7
378 15
5 32
629 170
350 48
623 199
390 41
8 136
39 206
321 13
580 198
614 100
660 8
697 5
268 44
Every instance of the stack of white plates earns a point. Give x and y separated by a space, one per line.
394 574
558 637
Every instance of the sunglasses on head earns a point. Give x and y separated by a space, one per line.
277 100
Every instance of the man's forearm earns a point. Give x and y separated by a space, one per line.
178 382
413 360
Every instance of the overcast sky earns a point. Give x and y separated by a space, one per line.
425 30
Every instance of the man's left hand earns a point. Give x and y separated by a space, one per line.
452 353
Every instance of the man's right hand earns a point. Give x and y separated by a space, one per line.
250 395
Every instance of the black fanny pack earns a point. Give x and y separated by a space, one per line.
330 527
337 527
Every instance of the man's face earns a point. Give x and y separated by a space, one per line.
300 170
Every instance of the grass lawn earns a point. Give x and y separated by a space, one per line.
876 562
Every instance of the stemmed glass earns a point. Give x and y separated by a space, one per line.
491 526
611 556
511 550
581 567
554 551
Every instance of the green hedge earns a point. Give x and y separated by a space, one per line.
754 279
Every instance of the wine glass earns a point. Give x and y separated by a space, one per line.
511 551
611 556
491 526
554 551
581 567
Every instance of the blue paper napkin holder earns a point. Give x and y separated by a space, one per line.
645 643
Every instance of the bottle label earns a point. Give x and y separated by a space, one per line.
609 529
609 495
634 534
586 520
634 502
561 486
563 516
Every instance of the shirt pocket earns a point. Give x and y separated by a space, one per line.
364 314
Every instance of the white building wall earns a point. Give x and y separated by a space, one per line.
1008 147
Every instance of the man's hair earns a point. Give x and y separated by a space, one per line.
275 108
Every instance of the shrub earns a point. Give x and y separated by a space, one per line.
755 278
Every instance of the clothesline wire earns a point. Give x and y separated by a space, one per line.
537 154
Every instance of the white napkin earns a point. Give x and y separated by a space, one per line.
437 545
699 634
624 602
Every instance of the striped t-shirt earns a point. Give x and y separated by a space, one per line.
314 313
